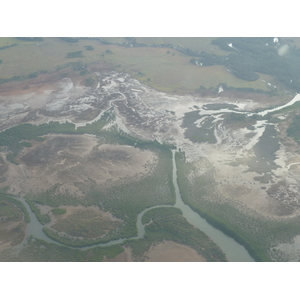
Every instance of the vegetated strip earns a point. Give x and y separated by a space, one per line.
38 250
294 129
18 204
254 249
13 137
73 242
43 219
169 224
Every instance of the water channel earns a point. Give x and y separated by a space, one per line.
232 250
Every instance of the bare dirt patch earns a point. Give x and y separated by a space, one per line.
169 251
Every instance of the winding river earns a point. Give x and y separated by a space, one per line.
232 250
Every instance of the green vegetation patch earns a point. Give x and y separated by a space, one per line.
54 198
71 241
158 213
70 39
17 204
8 46
40 251
89 81
26 144
31 39
169 224
86 224
14 137
89 48
8 212
294 129
251 55
42 218
58 211
74 54
168 72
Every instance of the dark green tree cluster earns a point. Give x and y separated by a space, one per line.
294 129
31 39
89 81
249 56
58 211
8 46
245 89
89 48
18 204
70 39
74 54
23 77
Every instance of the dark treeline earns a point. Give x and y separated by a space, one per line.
70 39
74 54
8 46
294 129
31 39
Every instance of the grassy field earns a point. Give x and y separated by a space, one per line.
164 69
172 73
193 43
